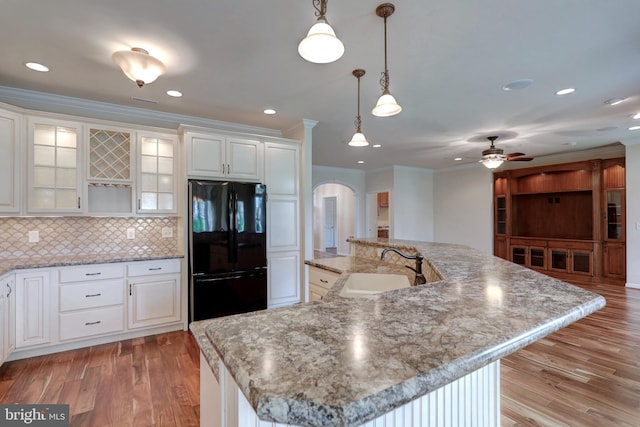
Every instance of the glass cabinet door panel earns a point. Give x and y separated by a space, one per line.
537 257
519 255
43 177
614 215
149 164
66 137
44 155
149 201
165 201
44 198
66 178
581 262
66 157
559 259
66 199
149 182
165 165
44 134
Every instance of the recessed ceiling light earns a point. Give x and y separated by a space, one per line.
269 111
360 162
634 128
607 128
376 145
174 93
518 85
636 116
457 159
566 91
614 101
37 67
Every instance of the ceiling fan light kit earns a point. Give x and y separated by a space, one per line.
321 46
387 105
138 65
493 157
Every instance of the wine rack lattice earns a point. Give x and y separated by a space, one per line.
109 155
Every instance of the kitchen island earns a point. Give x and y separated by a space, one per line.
427 353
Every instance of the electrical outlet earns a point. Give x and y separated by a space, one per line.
131 233
34 236
167 232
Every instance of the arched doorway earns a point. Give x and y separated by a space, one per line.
334 218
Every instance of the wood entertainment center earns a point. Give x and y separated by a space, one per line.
566 220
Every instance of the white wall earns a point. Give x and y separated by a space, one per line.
346 215
463 207
352 178
632 167
412 204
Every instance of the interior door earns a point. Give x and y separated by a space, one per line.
330 214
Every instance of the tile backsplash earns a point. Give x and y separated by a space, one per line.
69 236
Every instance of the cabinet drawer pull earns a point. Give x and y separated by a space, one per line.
93 274
155 268
92 323
92 295
324 281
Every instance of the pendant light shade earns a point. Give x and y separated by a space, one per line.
138 65
358 139
321 45
387 105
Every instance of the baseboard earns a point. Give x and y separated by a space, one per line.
632 285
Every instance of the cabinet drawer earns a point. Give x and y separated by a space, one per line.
529 242
90 295
91 272
316 292
149 268
583 246
91 322
322 278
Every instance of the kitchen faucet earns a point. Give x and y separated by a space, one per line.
420 279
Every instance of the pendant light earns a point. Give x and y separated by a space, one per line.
321 45
358 139
387 105
138 65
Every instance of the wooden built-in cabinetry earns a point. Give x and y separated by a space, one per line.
564 220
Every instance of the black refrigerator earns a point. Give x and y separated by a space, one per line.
227 248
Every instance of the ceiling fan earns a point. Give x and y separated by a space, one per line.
493 157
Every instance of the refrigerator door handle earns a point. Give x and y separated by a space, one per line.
233 227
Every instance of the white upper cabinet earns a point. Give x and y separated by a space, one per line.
157 172
54 167
222 156
10 161
110 169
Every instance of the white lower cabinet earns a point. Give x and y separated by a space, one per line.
154 293
33 303
284 279
9 329
54 309
90 301
320 282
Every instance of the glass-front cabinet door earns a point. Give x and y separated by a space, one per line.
614 215
54 173
157 173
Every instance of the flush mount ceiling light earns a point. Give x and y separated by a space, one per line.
358 139
321 45
138 65
387 105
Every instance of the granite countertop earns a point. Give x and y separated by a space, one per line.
343 362
8 265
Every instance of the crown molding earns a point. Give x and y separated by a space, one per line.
47 102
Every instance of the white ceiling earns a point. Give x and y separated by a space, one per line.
448 61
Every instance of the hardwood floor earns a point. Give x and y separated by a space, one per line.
587 374
152 381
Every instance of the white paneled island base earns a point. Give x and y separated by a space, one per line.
473 400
